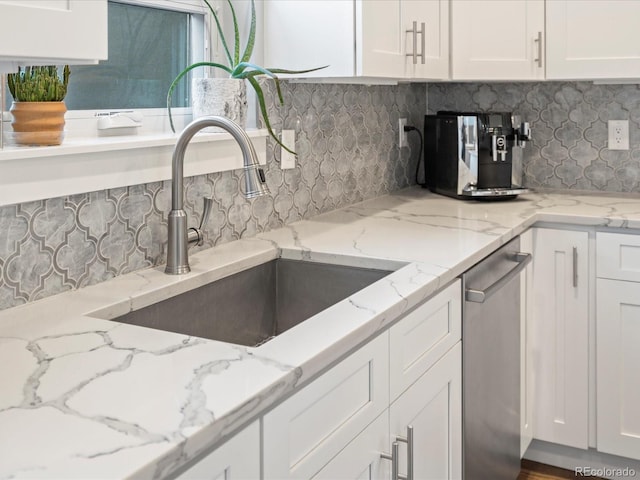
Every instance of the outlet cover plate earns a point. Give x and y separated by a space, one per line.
618 134
402 139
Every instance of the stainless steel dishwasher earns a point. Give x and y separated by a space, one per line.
491 365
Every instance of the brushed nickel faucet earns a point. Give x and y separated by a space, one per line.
179 236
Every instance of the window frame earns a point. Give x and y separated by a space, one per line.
88 161
81 123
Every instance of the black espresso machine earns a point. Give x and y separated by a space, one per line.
474 155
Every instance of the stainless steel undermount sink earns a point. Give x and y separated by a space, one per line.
252 306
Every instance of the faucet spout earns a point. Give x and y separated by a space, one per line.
255 185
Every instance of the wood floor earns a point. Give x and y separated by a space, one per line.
538 471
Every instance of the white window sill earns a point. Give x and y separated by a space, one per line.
82 165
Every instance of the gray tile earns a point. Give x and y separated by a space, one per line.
347 151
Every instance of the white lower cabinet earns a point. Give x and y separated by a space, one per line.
343 424
432 408
425 422
236 459
560 331
361 458
618 341
423 336
618 367
307 430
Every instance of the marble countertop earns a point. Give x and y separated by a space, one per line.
84 397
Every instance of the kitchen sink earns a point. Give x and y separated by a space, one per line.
252 306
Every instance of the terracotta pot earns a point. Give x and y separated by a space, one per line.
225 97
38 123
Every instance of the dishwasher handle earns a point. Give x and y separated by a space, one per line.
479 296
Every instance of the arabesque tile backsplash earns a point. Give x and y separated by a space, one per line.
569 129
348 152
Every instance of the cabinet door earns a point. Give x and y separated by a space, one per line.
497 40
434 41
424 335
303 433
238 458
52 31
361 458
379 46
354 38
591 39
301 35
526 357
618 256
618 367
560 336
433 407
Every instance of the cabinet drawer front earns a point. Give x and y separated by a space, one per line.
237 458
618 256
303 433
423 336
361 458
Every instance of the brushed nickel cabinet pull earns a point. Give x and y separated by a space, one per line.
575 267
414 31
538 40
423 42
409 441
394 460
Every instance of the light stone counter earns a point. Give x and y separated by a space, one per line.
83 397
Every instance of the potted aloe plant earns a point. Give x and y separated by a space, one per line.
239 69
38 104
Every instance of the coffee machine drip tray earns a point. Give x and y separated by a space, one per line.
493 193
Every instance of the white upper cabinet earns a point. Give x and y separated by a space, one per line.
497 39
593 39
429 39
358 38
52 31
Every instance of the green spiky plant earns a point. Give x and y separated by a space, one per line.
39 84
239 67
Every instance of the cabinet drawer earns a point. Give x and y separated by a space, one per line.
423 336
361 458
618 256
307 430
237 458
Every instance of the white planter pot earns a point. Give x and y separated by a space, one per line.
225 97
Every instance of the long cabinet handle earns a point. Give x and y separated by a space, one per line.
394 460
538 40
575 267
423 42
409 441
414 54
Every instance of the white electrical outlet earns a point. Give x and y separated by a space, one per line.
402 139
288 159
618 134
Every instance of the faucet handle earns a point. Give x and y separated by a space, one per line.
196 235
206 211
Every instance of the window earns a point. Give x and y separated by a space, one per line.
150 42
148 47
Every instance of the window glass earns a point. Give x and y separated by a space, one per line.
148 47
